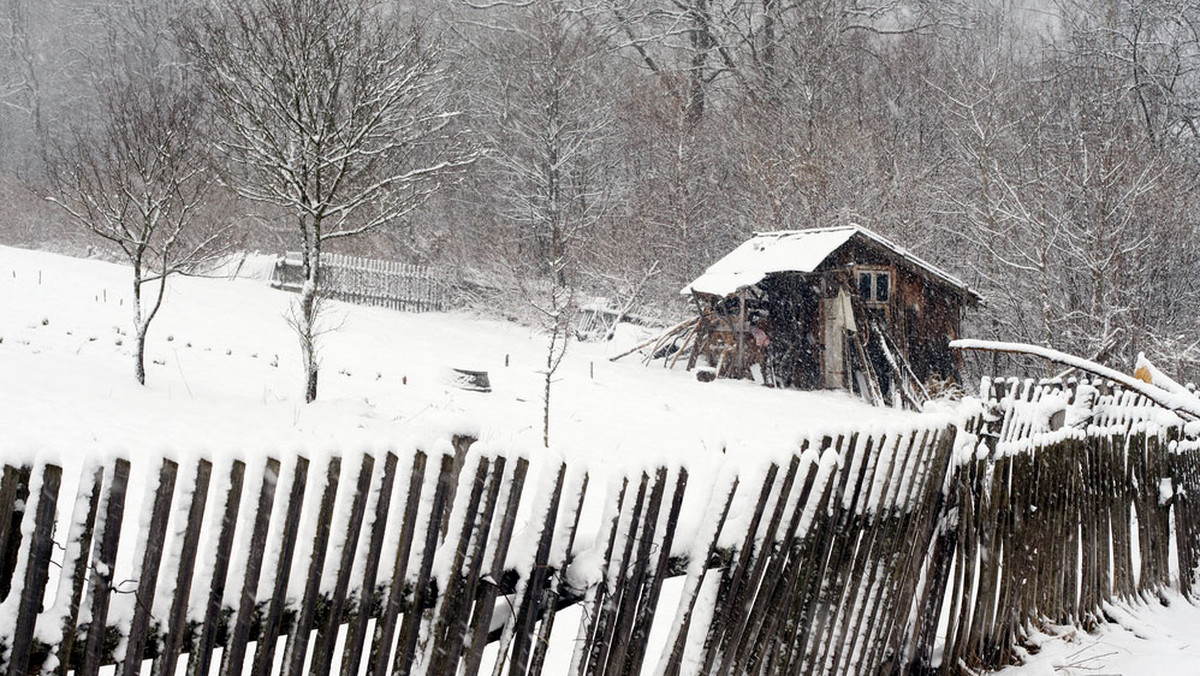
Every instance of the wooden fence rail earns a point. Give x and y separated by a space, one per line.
864 552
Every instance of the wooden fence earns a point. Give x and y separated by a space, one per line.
860 553
369 281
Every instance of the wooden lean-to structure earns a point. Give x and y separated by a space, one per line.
830 308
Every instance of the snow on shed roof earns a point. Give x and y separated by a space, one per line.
797 251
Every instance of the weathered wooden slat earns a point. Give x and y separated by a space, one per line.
594 596
234 657
296 648
459 627
37 570
527 611
322 660
439 657
601 635
732 576
81 535
385 626
485 604
14 490
105 557
268 637
631 591
554 592
672 663
201 658
164 664
356 632
148 573
648 604
407 642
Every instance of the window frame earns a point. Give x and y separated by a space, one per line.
875 272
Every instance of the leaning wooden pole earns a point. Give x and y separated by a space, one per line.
1184 405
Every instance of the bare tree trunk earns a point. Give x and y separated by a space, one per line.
307 321
139 329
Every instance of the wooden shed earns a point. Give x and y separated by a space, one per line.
830 308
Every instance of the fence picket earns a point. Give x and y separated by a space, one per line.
297 642
148 572
201 657
164 664
356 632
268 637
234 657
105 556
36 571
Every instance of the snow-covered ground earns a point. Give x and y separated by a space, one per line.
223 378
1147 638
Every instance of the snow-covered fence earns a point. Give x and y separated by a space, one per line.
1078 493
390 567
369 281
866 552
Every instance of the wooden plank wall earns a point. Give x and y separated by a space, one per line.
838 559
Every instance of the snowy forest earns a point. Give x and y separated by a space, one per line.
1045 151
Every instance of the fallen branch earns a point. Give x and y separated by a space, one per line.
1185 406
668 332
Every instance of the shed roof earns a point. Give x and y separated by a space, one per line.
802 251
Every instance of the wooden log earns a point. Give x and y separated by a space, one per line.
356 632
37 571
268 636
235 650
168 657
297 642
385 626
148 573
201 659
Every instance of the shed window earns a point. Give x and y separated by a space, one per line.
875 286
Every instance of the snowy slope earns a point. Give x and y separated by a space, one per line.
224 379
223 372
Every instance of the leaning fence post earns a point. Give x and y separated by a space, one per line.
106 557
36 571
148 574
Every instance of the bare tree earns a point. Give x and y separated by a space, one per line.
136 178
549 157
335 111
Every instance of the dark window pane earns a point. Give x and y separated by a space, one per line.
864 285
881 287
